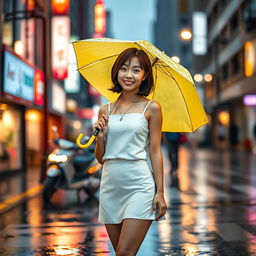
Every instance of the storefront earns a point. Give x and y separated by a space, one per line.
10 136
20 114
235 121
249 102
33 123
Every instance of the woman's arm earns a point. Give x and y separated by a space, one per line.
155 126
101 123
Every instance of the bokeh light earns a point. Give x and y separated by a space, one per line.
198 78
208 77
224 118
185 34
176 59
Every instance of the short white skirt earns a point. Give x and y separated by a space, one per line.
127 190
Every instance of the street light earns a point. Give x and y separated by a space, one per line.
186 34
208 77
198 78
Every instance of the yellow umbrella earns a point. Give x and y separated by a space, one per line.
174 87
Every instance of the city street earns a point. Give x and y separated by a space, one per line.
213 213
88 81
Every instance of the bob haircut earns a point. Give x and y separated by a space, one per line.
147 85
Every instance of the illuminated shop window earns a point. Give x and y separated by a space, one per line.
10 153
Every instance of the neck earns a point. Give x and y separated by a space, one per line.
129 97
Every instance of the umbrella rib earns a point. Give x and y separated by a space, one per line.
91 63
166 72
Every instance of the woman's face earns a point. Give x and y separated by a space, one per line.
131 74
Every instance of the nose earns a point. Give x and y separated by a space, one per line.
129 73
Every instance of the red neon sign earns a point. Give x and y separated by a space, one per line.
60 6
100 17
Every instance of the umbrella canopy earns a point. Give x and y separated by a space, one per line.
174 88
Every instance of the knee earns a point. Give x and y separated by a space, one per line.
123 251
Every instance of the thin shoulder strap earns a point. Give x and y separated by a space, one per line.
146 107
109 107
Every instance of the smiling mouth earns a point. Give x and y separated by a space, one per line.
128 82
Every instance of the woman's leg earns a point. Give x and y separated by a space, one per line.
114 231
132 235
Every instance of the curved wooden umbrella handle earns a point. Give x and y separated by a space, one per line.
96 131
91 140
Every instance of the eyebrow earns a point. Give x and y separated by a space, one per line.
132 66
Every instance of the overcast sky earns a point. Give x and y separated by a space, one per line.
132 19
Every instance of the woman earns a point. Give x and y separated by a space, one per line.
131 192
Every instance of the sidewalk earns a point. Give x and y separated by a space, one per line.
17 194
213 213
33 187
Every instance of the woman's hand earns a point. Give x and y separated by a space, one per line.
159 206
102 124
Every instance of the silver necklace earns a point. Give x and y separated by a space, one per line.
122 114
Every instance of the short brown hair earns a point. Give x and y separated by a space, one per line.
146 85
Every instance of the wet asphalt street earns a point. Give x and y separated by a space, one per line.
212 213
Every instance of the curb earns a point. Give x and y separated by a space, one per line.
13 201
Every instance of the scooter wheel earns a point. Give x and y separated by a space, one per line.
49 188
90 191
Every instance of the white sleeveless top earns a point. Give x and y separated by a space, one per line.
127 139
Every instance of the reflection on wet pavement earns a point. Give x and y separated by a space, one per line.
211 213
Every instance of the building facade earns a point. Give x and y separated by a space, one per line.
25 69
230 96
38 77
171 18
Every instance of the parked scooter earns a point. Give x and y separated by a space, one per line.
70 167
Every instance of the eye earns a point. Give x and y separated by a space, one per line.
136 71
123 68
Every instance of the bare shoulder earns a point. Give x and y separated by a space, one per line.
155 116
154 107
